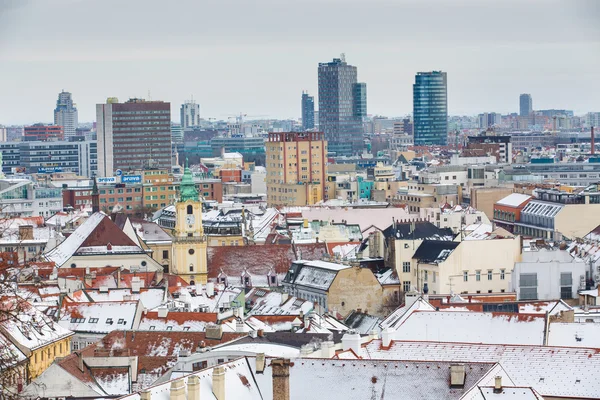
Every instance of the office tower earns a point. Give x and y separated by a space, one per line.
308 111
360 100
295 168
338 109
176 133
42 132
190 114
133 135
488 120
407 126
526 105
65 114
430 108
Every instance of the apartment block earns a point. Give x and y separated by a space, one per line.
295 168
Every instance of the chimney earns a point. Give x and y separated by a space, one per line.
210 289
457 376
351 341
160 274
177 391
80 361
260 363
328 349
163 312
386 336
193 388
145 394
498 384
281 378
593 141
26 232
214 331
218 382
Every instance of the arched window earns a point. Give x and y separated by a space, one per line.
190 209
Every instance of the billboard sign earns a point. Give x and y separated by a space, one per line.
107 179
49 170
131 179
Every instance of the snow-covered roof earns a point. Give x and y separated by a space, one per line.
574 334
150 298
103 317
396 318
176 321
472 327
551 371
31 329
513 200
239 383
275 303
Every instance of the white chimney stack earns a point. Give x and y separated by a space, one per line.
327 349
386 336
163 312
351 341
210 289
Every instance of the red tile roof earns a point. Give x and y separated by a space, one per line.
182 317
107 232
258 260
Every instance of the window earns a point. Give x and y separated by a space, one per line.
406 286
477 275
165 254
121 321
93 320
566 285
406 266
109 321
465 276
490 274
169 328
191 267
425 275
502 274
190 209
528 287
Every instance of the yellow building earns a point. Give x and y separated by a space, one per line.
296 163
189 242
158 189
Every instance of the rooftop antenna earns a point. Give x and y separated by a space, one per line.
343 57
149 96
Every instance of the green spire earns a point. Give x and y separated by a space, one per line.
187 188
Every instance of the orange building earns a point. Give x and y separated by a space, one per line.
43 132
507 211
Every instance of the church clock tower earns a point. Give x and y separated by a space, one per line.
189 243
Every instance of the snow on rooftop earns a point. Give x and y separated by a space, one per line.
472 327
574 335
101 317
513 200
150 298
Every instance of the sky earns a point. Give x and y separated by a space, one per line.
257 56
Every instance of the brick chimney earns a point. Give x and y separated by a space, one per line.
218 383
177 391
26 232
193 386
281 378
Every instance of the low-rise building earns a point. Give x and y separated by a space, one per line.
546 273
507 211
24 198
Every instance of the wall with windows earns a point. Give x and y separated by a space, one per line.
547 274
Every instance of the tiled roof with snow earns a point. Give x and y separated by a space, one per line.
472 327
177 321
103 317
265 302
574 334
552 371
396 318
434 251
150 298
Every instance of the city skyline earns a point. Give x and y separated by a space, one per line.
488 64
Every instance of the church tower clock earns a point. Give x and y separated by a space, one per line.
189 242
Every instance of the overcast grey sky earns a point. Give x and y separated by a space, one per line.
256 56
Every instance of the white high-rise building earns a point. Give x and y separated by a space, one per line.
190 114
592 119
65 114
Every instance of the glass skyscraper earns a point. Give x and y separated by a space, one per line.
430 108
340 111
308 112
525 105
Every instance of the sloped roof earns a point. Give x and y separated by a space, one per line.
102 317
259 260
435 251
574 335
92 237
514 200
551 371
423 230
177 321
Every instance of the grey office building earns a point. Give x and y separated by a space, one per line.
308 111
430 108
65 114
525 105
339 107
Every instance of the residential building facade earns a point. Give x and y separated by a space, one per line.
43 133
296 168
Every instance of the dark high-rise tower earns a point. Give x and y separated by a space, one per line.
430 108
340 112
308 112
525 105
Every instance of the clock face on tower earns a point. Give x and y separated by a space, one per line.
190 219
